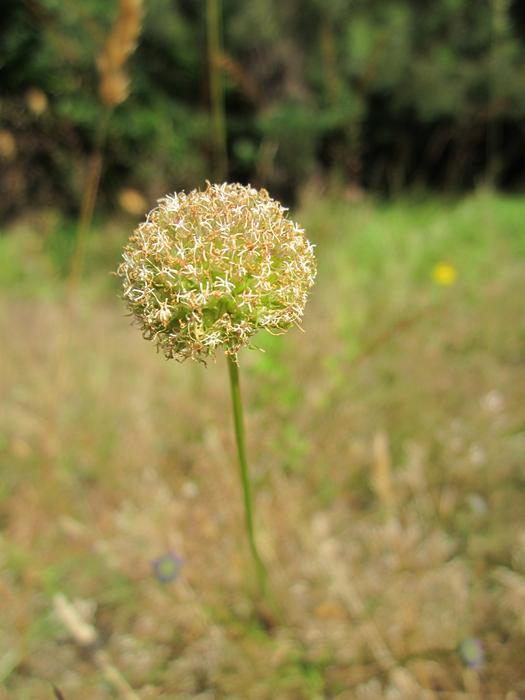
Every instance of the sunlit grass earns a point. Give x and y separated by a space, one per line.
388 446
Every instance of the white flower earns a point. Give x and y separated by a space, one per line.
211 268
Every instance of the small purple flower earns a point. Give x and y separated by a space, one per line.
167 567
472 652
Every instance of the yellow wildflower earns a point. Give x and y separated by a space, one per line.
444 274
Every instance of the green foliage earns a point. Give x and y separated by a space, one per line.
386 93
295 129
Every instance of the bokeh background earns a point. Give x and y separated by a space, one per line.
386 441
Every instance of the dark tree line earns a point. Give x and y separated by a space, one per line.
379 94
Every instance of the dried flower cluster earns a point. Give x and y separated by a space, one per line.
211 268
122 41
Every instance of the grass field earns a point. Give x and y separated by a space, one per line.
387 446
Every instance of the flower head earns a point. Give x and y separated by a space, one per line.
444 274
472 652
210 268
167 567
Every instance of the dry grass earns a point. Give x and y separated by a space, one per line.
387 456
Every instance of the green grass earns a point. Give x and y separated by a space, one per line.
386 444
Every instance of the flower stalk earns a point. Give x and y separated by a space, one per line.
113 91
208 270
89 199
238 421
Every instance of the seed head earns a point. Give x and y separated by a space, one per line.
121 43
211 268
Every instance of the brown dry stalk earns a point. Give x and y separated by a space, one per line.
86 638
113 90
89 199
382 472
240 76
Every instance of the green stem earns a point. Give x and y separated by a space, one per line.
220 158
243 463
89 199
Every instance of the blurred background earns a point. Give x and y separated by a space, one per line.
376 95
386 442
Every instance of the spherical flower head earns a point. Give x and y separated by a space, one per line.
210 268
